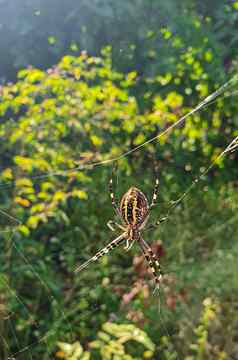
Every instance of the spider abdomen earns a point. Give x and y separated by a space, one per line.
134 207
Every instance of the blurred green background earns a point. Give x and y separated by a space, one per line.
82 82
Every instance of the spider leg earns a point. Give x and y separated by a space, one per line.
152 260
116 242
112 196
155 194
129 244
157 223
111 224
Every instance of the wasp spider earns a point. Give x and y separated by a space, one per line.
134 212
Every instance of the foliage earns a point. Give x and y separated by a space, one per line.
72 351
111 340
111 344
201 348
137 27
81 111
86 109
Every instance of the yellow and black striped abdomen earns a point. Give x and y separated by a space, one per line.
134 207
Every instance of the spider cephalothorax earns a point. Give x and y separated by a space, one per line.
134 212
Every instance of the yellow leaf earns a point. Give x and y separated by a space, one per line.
60 354
46 186
174 100
24 230
235 5
24 162
132 75
43 195
140 138
24 182
80 194
96 140
148 354
208 56
7 174
33 221
37 208
22 202
59 195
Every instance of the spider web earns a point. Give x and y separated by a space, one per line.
36 332
13 230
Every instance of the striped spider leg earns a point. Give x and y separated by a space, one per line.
112 196
116 242
111 224
152 261
157 223
155 194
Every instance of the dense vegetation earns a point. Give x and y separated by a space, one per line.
87 109
39 34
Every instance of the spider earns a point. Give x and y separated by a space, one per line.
134 212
